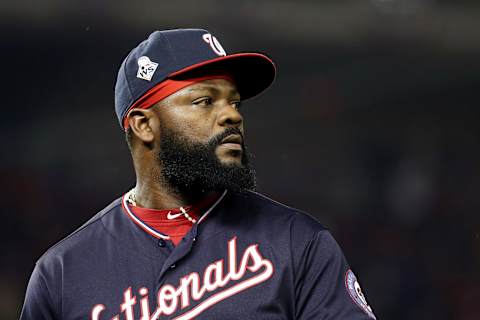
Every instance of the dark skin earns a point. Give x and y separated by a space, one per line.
200 112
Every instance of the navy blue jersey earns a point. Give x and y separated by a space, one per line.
247 257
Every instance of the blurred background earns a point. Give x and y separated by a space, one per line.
371 126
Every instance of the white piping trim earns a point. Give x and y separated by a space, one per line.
212 207
154 232
140 222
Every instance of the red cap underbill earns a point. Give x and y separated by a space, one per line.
165 89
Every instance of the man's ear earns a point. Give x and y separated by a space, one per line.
142 122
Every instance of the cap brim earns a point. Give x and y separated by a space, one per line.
252 72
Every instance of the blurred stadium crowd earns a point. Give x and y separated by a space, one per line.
372 127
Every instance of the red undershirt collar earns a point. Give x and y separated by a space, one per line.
170 224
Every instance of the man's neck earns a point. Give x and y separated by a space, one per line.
161 197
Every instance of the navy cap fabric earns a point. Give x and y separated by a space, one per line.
182 53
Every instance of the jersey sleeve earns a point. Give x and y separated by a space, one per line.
38 303
325 287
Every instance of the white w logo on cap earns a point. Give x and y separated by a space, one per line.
213 42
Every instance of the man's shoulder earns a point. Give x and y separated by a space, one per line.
85 235
277 213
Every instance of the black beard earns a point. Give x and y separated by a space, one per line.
192 168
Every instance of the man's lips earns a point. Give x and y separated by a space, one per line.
233 138
233 141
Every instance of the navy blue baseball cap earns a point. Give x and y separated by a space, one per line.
178 53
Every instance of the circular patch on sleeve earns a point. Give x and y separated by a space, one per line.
355 292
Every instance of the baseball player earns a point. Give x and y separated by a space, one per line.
192 240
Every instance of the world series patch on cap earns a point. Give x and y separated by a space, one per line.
178 53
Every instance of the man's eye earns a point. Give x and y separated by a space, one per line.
204 101
236 104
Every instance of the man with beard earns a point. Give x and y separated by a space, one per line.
192 240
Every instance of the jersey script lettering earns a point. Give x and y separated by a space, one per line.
194 286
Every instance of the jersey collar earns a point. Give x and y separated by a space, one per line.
154 232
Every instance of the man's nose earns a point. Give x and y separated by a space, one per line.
228 115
